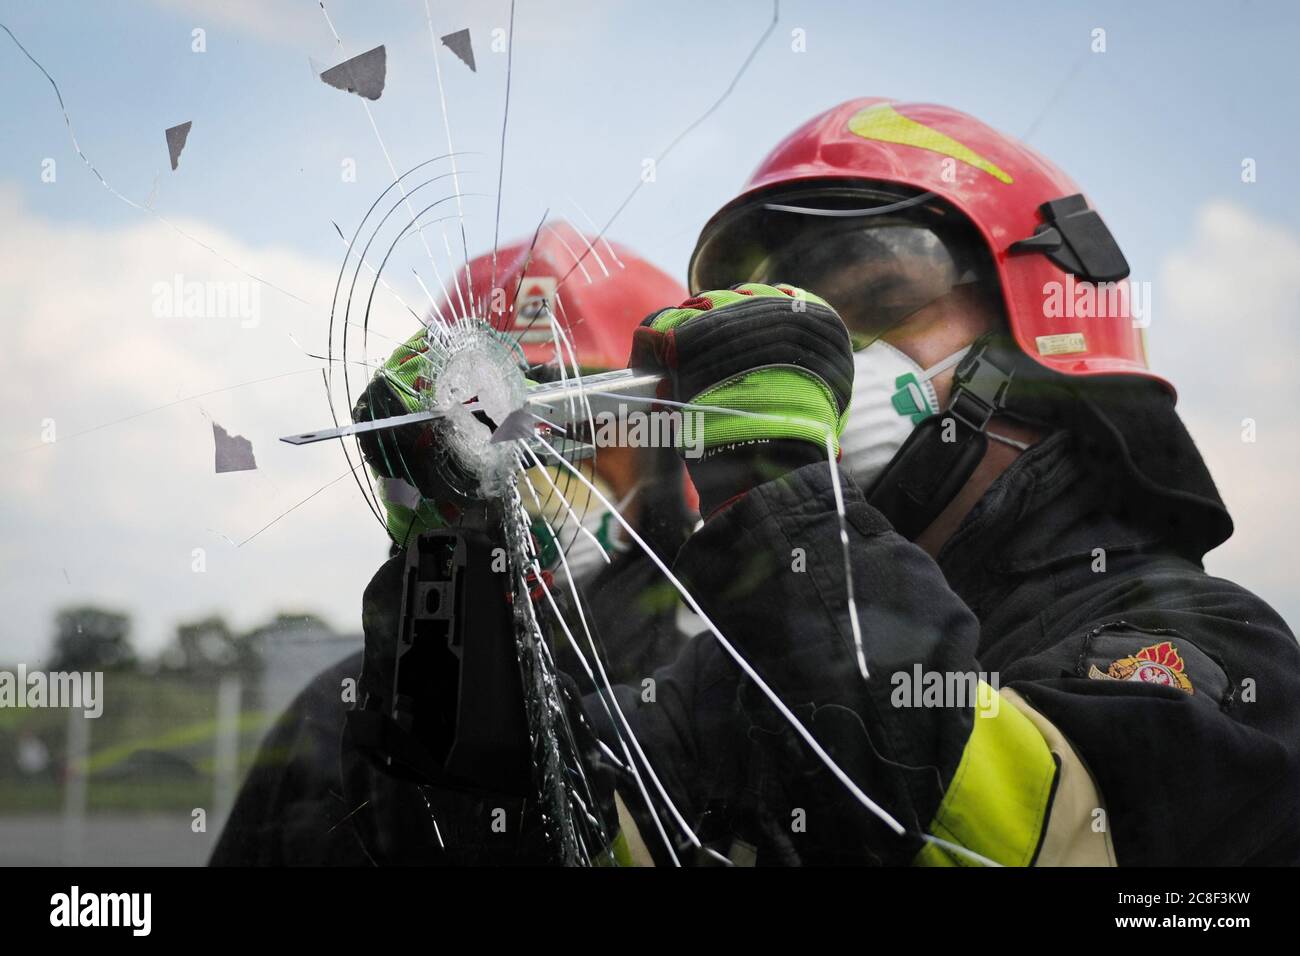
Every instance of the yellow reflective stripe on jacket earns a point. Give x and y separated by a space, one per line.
1001 793
629 849
1078 832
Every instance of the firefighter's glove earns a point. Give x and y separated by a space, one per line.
402 459
766 373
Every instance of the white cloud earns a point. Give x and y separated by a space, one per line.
1225 331
278 22
119 510
1231 295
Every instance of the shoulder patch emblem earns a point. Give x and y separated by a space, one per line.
1155 664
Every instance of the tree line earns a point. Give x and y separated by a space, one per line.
91 638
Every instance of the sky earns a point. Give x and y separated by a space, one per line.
123 507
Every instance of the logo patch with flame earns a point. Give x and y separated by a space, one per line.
1155 664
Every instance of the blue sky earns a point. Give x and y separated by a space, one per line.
1154 129
1157 122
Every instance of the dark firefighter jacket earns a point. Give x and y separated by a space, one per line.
1149 713
1146 713
294 808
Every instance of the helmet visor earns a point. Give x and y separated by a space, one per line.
877 257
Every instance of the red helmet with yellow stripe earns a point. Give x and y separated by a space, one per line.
932 175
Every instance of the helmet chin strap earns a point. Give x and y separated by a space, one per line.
1009 442
943 451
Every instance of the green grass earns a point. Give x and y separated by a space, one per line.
143 717
118 796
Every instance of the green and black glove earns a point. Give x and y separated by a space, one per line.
773 364
400 458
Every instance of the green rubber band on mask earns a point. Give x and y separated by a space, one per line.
548 549
905 400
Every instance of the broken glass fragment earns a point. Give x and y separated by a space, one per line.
364 74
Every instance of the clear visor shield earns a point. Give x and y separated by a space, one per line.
875 266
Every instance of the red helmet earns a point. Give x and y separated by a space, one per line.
1040 241
599 305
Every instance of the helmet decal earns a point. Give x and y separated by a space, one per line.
884 123
521 289
1063 343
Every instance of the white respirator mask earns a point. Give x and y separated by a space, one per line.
578 521
891 396
600 540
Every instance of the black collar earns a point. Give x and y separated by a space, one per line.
1044 510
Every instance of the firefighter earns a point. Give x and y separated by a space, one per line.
292 808
1014 654
950 566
